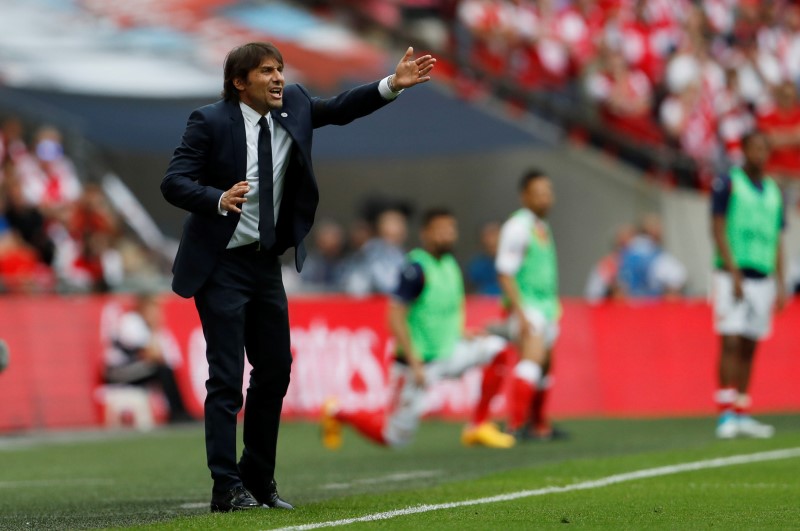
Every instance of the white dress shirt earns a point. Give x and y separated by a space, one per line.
247 229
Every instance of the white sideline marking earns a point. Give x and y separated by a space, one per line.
584 485
55 483
194 505
389 478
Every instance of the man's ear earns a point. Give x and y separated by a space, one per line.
239 83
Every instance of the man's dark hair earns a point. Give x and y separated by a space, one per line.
433 213
530 174
748 137
241 60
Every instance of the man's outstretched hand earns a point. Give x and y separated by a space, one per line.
412 71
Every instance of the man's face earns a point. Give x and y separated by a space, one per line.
441 234
263 88
756 152
538 196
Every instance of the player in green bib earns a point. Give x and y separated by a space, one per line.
747 219
426 317
527 269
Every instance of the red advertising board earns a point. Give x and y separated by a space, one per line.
645 359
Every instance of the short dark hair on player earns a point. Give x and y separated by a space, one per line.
241 60
531 174
749 136
434 213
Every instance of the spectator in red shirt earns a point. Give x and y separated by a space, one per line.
488 25
781 124
625 97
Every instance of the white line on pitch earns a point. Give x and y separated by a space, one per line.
194 505
389 478
584 485
54 483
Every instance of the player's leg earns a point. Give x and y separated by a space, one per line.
470 353
528 370
760 296
494 373
730 319
525 378
727 392
370 423
408 405
540 427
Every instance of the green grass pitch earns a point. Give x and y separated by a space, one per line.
159 480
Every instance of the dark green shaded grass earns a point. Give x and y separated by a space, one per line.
130 480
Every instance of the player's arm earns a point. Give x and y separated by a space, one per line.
780 288
510 289
511 251
719 228
408 289
398 324
720 199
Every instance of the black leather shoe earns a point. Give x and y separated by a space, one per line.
271 499
236 499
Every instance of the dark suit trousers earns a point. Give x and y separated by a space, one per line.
243 306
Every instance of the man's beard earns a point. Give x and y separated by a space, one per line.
444 249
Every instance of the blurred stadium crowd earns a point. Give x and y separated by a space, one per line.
58 231
694 75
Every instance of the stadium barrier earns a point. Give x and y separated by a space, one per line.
633 359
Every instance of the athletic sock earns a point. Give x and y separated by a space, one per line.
493 376
742 404
725 399
370 424
539 419
523 385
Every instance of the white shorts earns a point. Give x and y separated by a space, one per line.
751 316
408 401
548 330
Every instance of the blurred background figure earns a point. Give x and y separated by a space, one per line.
481 273
375 267
527 267
645 268
780 123
20 269
4 355
88 258
624 96
138 355
57 180
29 221
748 221
603 282
26 251
324 266
426 318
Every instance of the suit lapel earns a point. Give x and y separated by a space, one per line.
239 141
287 121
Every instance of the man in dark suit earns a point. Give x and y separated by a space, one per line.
243 171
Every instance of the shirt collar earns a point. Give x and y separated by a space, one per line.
252 116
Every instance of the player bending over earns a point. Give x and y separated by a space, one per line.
426 317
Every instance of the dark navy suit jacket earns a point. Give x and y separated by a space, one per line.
212 157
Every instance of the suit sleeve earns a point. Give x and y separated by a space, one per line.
180 186
347 106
